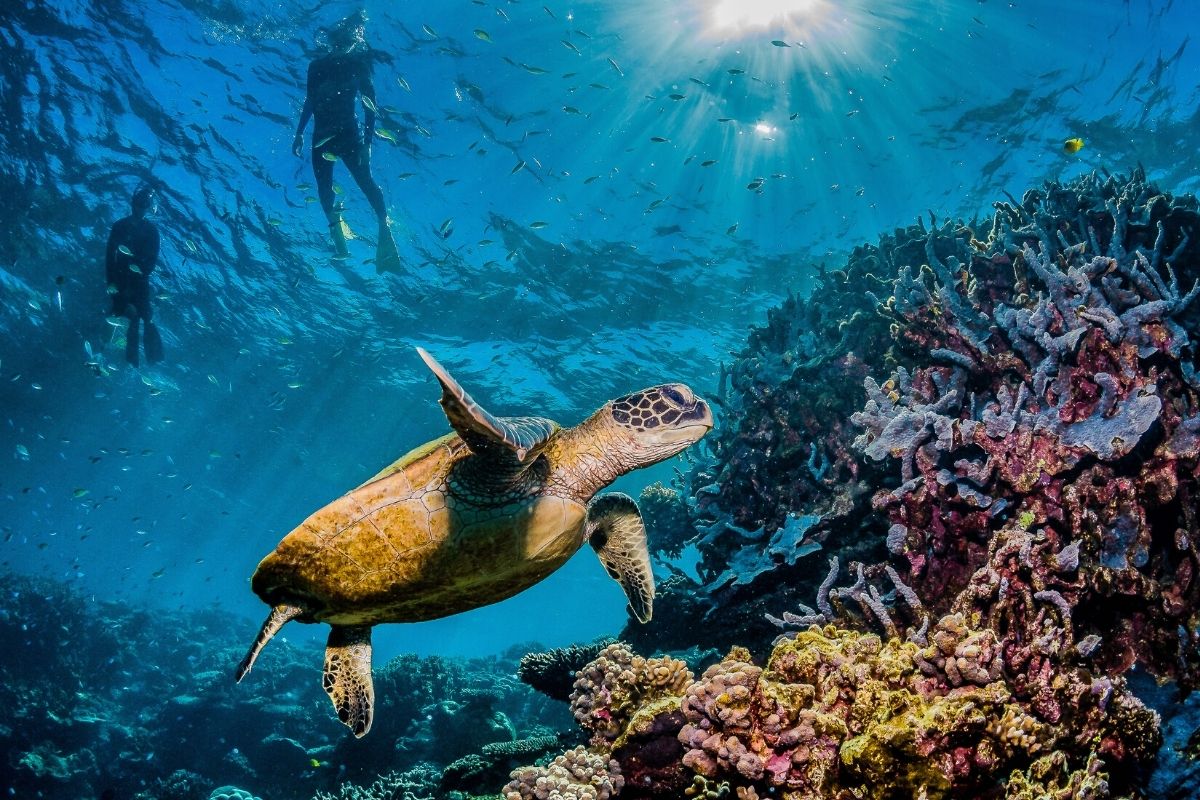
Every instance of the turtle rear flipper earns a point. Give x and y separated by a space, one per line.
280 615
616 531
347 677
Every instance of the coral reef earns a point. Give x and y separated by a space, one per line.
609 690
1049 449
840 713
553 672
1042 377
575 775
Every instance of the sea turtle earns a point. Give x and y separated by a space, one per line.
470 519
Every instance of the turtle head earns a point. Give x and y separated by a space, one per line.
658 422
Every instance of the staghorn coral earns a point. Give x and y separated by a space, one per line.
574 775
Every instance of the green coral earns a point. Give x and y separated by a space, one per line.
1051 778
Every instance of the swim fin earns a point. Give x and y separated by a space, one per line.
338 234
153 343
387 258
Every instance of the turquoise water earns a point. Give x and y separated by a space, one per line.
587 199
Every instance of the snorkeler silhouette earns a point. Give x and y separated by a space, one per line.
335 82
129 258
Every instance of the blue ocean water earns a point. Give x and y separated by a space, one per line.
587 198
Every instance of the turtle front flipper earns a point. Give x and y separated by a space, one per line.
616 531
521 438
347 677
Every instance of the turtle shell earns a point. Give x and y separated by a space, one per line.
407 546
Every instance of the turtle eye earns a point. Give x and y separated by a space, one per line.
676 394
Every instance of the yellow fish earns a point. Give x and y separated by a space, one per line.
312 762
1073 145
349 234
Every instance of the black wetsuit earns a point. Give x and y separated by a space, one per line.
128 277
335 83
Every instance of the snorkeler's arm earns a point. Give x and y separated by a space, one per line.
305 114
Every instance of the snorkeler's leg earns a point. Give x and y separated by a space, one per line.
323 176
132 337
153 341
387 258
359 164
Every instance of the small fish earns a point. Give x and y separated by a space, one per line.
123 250
430 32
482 35
532 70
1073 145
548 11
724 119
780 43
677 97
520 165
736 71
591 179
294 385
312 762
698 82
23 451
192 245
275 221
135 269
324 141
732 229
567 44
617 67
329 156
405 175
708 163
384 133
755 184
659 139
403 83
369 105
537 226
